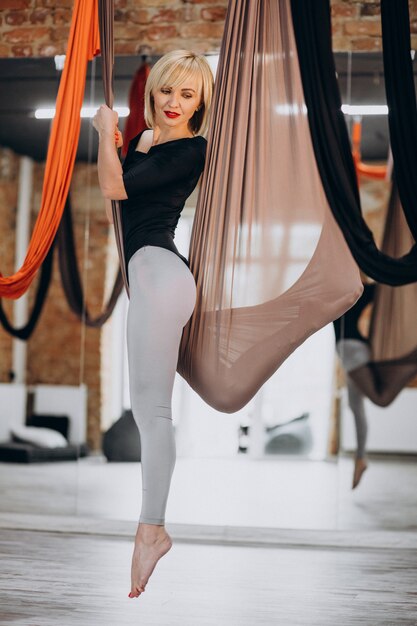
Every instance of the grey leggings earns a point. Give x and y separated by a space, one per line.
355 354
162 299
357 405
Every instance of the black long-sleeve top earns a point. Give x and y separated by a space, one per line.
157 184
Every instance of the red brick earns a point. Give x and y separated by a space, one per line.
60 33
154 3
214 14
367 44
62 16
25 35
207 2
203 29
155 33
119 15
125 47
138 16
54 4
40 16
341 44
14 4
166 15
16 18
337 28
50 50
22 51
363 27
344 10
369 10
122 32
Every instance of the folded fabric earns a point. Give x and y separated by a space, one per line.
41 437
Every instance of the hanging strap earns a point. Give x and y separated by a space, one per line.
401 100
25 332
70 275
312 27
106 19
83 45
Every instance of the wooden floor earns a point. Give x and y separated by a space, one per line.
55 579
305 550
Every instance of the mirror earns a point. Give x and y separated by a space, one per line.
275 463
388 435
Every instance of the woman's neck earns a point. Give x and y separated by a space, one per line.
163 135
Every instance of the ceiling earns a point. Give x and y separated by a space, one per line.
27 84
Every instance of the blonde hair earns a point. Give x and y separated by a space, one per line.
173 69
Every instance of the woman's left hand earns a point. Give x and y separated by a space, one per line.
105 120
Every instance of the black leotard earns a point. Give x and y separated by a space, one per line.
157 184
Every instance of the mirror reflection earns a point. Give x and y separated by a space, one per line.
69 441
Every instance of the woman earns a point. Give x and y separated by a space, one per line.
355 354
162 167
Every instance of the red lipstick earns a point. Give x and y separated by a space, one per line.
171 114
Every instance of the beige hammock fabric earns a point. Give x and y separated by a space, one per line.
393 331
270 262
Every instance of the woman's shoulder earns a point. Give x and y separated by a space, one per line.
201 143
135 139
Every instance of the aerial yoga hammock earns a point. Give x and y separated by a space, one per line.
70 275
83 45
387 361
270 262
382 364
25 332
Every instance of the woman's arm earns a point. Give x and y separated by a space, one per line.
108 164
110 173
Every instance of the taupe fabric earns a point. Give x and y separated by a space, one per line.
393 331
106 23
270 263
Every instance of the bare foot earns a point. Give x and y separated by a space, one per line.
151 543
360 467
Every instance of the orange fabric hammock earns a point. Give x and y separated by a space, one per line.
83 45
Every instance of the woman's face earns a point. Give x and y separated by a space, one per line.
174 107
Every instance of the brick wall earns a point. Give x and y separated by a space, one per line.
59 352
40 27
9 172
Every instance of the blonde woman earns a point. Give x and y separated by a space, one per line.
162 167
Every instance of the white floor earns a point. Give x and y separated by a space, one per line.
285 493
